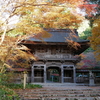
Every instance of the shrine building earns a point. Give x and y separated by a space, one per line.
56 56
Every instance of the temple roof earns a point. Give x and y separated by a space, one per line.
60 35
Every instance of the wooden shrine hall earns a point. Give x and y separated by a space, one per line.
57 57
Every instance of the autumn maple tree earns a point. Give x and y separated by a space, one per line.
21 19
95 38
92 9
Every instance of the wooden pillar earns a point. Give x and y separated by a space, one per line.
44 73
32 74
74 74
62 74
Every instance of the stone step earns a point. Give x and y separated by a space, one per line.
63 98
61 93
59 84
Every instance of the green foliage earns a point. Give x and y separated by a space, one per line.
29 86
86 33
8 77
88 50
7 94
14 33
3 78
6 87
20 86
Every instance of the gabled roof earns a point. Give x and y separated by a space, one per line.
60 36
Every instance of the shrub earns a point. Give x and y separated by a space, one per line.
20 86
7 94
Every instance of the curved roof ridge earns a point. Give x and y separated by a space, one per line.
60 35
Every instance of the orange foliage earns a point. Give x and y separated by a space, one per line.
90 9
72 2
34 15
73 44
10 50
95 38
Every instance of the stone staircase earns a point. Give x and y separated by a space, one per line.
58 84
61 93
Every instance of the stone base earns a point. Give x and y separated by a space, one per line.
91 82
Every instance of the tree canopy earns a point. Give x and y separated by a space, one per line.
92 9
95 38
21 19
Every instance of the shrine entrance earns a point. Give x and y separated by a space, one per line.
53 74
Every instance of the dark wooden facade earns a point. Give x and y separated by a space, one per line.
56 58
56 63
